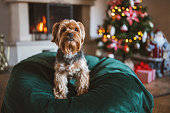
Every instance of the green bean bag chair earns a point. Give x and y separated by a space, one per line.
114 88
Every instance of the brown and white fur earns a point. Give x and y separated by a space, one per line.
70 61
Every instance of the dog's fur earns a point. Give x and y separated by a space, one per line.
70 61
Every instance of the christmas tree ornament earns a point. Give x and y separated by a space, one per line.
113 18
104 39
131 16
110 55
142 15
137 2
99 52
126 48
109 13
111 29
137 46
118 17
124 28
145 13
145 35
100 44
151 24
132 3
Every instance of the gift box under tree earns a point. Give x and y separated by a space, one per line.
144 72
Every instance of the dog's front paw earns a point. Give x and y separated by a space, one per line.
59 95
82 91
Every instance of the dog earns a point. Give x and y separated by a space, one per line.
70 62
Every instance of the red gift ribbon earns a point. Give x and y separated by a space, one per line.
142 66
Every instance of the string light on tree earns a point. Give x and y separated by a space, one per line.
123 8
130 40
126 40
108 36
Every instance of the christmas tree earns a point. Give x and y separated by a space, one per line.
126 30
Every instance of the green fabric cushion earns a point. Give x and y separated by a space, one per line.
114 87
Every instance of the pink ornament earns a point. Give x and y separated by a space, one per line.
142 15
145 13
131 16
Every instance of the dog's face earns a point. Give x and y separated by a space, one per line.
69 36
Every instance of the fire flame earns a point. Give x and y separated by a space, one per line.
41 27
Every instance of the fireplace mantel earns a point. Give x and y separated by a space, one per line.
74 2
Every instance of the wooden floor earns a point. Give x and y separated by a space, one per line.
3 82
161 104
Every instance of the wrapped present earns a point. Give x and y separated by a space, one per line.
146 76
144 72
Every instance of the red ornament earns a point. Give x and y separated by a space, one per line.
104 39
118 17
126 48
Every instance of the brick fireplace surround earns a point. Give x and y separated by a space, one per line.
19 26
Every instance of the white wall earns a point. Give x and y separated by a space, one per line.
97 16
160 12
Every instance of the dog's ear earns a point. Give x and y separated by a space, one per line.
82 28
54 32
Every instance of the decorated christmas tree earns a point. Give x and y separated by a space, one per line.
126 30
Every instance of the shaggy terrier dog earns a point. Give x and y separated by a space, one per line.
70 61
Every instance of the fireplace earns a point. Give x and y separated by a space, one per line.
31 23
43 16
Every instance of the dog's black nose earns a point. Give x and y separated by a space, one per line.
71 35
70 39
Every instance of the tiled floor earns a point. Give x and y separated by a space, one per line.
161 104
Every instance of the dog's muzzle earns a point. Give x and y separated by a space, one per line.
70 36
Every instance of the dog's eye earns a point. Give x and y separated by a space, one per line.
64 29
76 29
